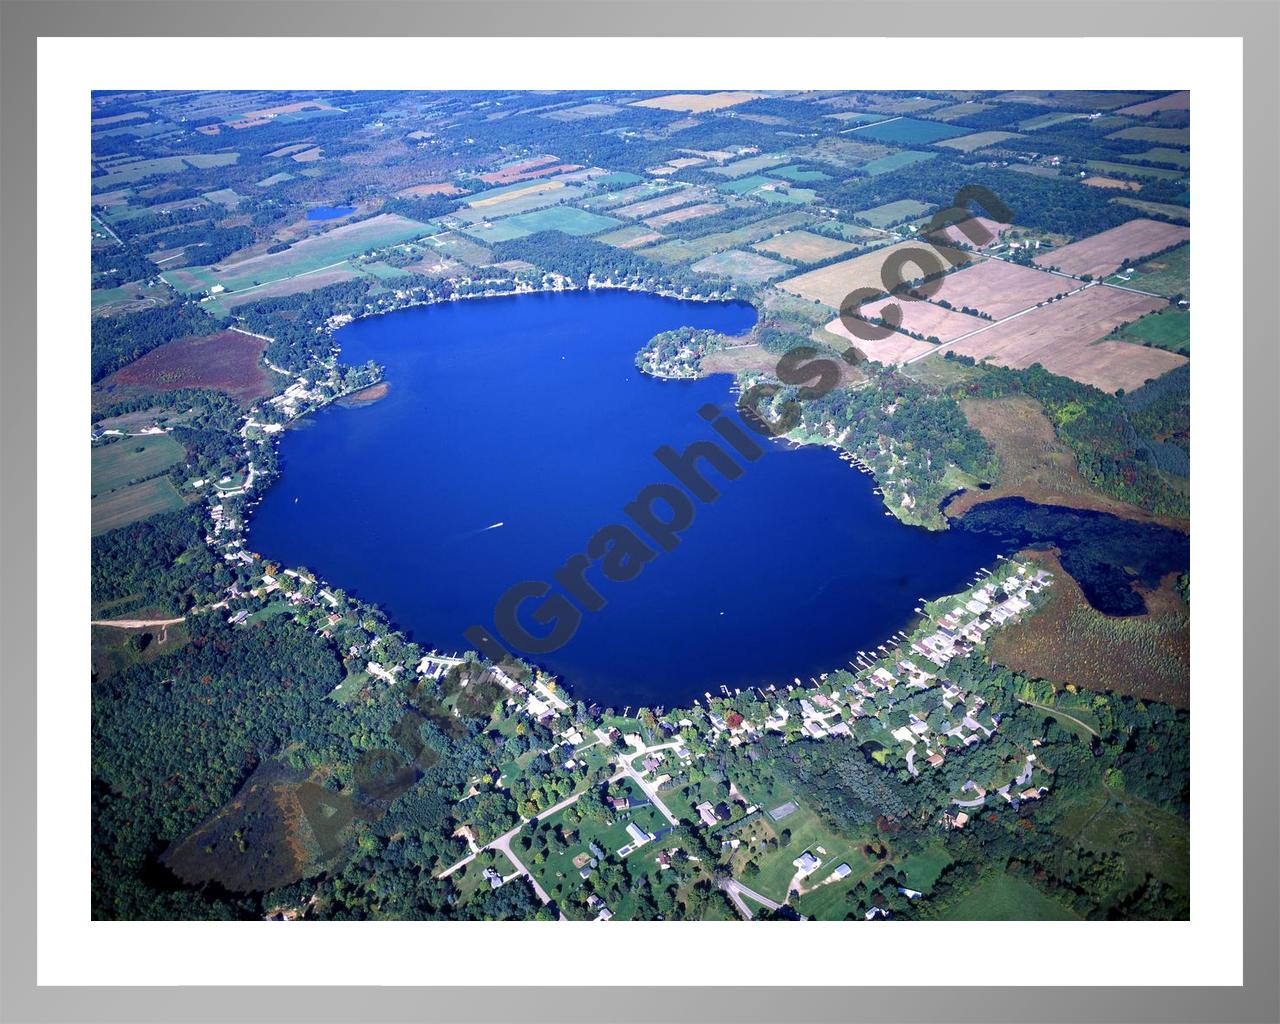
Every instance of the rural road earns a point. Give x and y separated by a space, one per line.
136 623
1060 714
735 890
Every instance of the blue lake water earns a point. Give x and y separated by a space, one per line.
529 412
329 212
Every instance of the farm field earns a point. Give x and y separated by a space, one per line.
958 110
999 289
906 131
803 246
1178 213
433 188
978 140
680 250
892 213
1097 181
1031 124
126 173
1148 133
896 349
843 150
924 318
506 193
698 103
665 201
794 172
750 165
683 214
116 464
829 285
1134 170
896 161
522 202
741 266
228 361
1168 275
971 231
1179 158
568 219
630 237
311 253
129 504
1103 253
1174 101
1169 329
1061 337
224 302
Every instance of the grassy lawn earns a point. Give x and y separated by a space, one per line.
350 686
922 869
132 458
1006 898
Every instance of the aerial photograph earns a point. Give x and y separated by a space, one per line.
747 505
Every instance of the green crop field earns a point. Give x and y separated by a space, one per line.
129 504
132 458
310 254
896 160
1134 171
679 250
907 131
1169 329
794 172
568 219
892 213
742 266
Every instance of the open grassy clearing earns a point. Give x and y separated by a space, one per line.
129 504
1167 275
896 161
1001 897
132 458
1134 170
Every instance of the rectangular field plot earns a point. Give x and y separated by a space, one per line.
132 458
896 161
697 103
1103 253
924 318
741 266
750 165
893 213
804 246
630 237
679 250
907 131
1170 210
1174 101
1169 329
978 232
568 219
129 504
1134 170
829 285
999 289
1166 275
794 172
684 213
968 143
1062 337
309 254
665 201
1163 136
